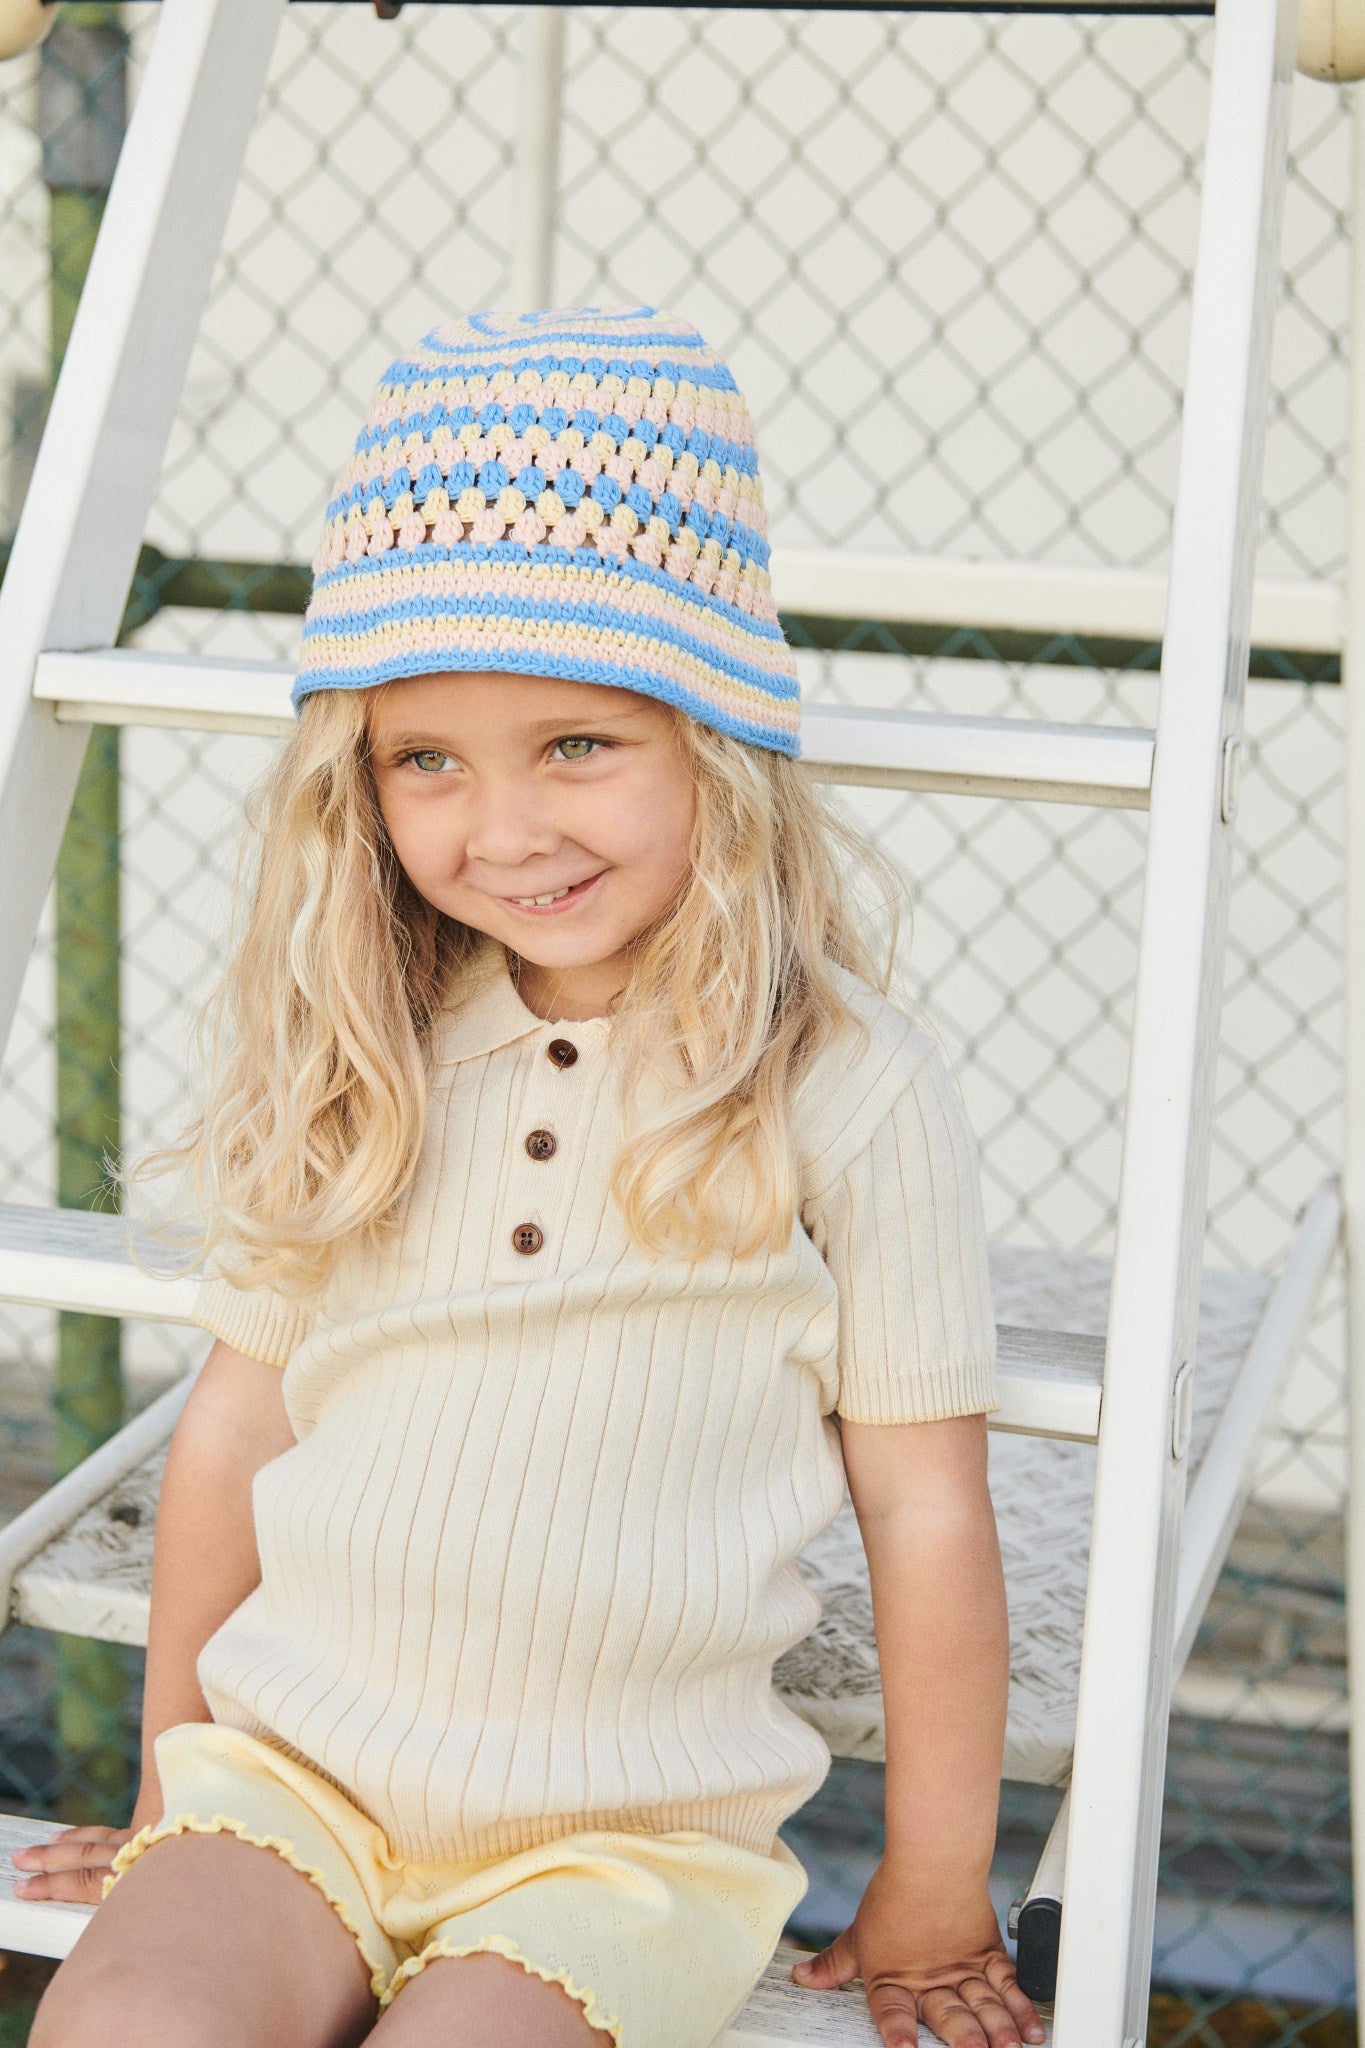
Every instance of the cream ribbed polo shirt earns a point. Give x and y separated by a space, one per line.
530 1562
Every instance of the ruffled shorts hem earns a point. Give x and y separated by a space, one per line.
222 1823
385 1987
500 1944
658 1936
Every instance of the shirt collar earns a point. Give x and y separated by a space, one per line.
492 1014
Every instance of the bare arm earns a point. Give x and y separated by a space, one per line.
938 1606
204 1563
926 1941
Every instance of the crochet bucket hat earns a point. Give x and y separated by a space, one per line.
571 494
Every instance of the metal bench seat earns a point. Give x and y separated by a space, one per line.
1043 1493
81 1557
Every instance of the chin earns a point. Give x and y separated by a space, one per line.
568 954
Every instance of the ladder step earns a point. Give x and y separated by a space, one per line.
1051 600
76 1259
1079 764
781 2014
92 1574
33 1927
1043 1495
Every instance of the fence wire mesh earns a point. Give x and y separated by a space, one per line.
949 258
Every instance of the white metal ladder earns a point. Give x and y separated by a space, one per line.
1117 1370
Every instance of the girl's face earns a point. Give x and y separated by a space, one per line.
497 788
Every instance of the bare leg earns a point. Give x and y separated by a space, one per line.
209 1942
484 2001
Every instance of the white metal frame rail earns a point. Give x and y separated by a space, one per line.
1353 677
1130 1618
1083 764
60 608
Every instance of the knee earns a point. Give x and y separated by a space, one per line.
116 2007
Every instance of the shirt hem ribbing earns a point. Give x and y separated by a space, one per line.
965 1387
257 1322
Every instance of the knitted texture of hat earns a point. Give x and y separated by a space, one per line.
571 494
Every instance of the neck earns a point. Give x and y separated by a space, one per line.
566 995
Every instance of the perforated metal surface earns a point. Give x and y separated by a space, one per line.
1042 1493
96 1578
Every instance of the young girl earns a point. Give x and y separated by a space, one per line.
583 1212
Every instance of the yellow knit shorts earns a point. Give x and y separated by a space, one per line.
661 1938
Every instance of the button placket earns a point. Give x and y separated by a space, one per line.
540 1145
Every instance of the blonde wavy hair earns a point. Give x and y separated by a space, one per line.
316 1040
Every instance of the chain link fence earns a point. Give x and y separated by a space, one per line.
949 259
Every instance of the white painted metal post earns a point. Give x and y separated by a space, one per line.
1353 682
1126 1669
97 469
538 159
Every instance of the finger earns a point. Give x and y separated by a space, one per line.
73 1887
65 1855
40 1849
991 2012
1022 2010
951 2019
895 2013
1028 2019
833 1966
998 2022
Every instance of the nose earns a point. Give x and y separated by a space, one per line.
507 824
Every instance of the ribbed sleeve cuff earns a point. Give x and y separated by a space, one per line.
252 1320
967 1388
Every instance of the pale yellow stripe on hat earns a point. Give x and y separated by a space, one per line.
414 638
781 665
615 650
549 584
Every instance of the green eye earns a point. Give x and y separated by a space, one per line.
428 754
578 740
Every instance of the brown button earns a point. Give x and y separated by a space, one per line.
541 1144
527 1238
562 1052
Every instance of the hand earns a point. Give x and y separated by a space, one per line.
72 1866
939 1959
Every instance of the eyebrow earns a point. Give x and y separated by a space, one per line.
600 717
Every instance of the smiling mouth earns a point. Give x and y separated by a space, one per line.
551 898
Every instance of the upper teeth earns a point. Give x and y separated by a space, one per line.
544 899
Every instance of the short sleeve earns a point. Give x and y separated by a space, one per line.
902 1230
255 1320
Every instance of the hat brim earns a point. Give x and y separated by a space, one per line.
575 616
